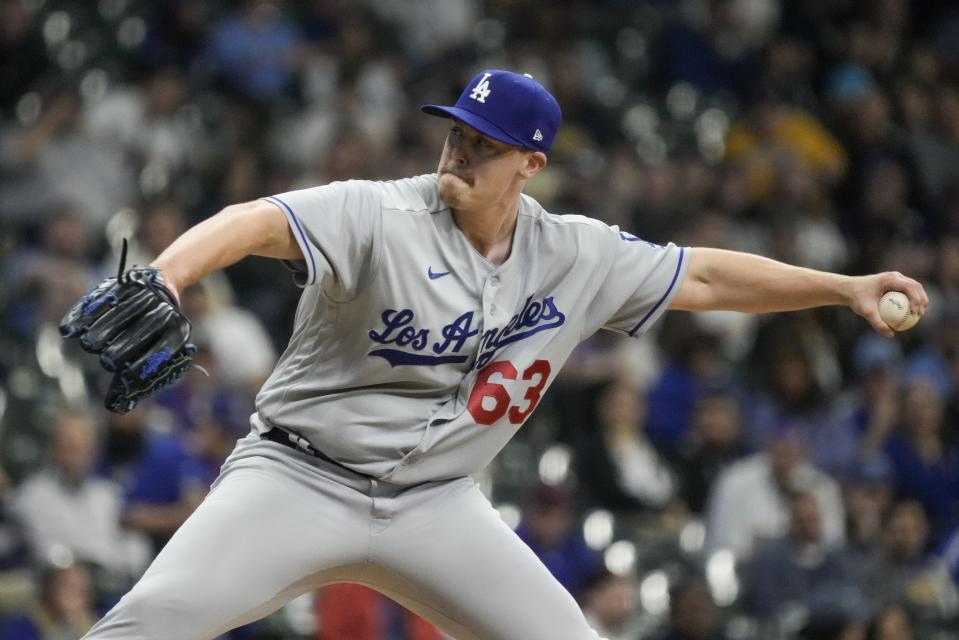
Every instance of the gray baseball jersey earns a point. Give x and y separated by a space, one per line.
413 358
413 361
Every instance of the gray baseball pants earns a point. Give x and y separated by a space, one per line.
279 523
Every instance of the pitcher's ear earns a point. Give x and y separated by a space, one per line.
535 162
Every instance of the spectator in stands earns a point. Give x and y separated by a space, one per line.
776 129
934 358
617 464
793 391
714 443
870 406
22 55
45 275
162 482
750 500
859 113
800 570
160 224
803 221
55 159
867 494
610 603
550 528
224 419
695 53
177 34
147 121
887 218
221 325
931 146
66 504
926 465
693 614
257 50
908 574
595 363
697 365
63 612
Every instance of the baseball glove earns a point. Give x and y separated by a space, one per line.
133 322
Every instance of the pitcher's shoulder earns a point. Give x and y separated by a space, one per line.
415 194
567 223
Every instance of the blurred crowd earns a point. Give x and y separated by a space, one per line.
728 477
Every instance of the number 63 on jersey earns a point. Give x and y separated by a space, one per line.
490 400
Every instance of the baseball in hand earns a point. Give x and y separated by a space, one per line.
895 311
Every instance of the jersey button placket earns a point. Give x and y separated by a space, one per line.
491 284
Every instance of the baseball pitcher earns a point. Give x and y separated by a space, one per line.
436 311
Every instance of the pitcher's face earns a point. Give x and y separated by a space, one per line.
476 171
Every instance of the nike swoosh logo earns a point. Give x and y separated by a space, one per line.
434 276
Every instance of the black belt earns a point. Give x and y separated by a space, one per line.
294 441
299 443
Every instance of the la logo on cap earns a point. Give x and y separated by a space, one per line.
481 91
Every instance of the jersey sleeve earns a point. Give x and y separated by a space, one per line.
640 283
336 226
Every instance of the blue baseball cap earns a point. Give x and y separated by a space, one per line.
506 106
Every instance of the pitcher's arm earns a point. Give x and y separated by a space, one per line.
729 280
253 228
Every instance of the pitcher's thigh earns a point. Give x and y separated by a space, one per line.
456 563
257 541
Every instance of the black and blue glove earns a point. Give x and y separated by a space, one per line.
133 322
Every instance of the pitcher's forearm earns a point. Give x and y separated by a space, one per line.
729 280
238 231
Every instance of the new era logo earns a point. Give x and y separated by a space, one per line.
538 136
